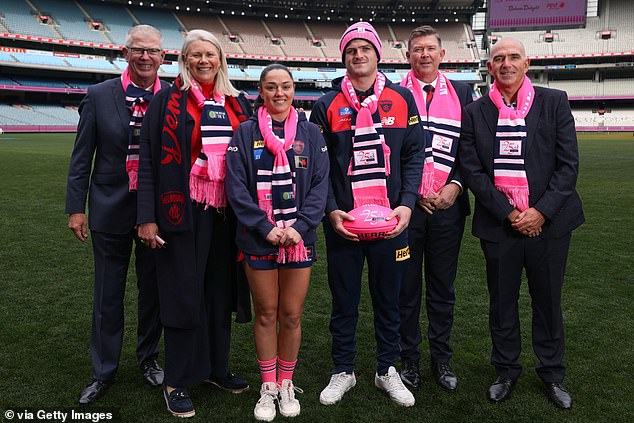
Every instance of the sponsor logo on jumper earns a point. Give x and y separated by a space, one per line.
413 120
402 254
301 162
233 149
288 195
324 149
345 111
387 120
215 114
258 144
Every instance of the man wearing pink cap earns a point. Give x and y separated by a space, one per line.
372 132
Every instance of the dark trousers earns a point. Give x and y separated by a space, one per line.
196 273
545 262
387 262
436 238
112 254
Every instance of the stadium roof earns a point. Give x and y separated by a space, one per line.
422 11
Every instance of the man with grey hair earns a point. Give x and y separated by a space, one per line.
104 163
519 156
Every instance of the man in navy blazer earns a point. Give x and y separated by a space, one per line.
436 228
103 146
539 149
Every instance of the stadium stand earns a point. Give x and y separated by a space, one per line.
40 59
19 18
214 25
80 62
169 25
6 57
328 34
295 39
615 17
252 36
116 19
71 21
32 67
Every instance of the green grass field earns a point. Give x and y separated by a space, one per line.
46 300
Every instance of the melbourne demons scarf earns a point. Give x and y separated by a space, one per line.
276 184
137 101
370 161
207 177
509 174
442 124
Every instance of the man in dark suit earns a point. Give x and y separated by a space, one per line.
519 156
104 162
437 224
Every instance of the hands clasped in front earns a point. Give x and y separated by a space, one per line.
283 237
528 223
440 200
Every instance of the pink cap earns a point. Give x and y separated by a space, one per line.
364 31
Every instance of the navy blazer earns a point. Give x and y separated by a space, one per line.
102 136
551 163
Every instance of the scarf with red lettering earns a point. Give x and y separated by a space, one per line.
207 177
509 170
442 124
276 184
173 172
136 100
370 161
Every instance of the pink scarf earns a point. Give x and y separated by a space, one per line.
137 100
442 123
276 187
207 176
509 171
370 161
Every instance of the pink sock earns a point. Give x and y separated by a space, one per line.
286 369
267 370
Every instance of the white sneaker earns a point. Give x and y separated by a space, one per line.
289 406
393 385
339 384
265 407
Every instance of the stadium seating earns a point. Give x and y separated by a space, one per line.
615 16
80 62
164 20
37 114
40 59
253 37
72 23
295 39
214 25
114 17
6 57
20 18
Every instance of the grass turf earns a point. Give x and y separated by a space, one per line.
46 300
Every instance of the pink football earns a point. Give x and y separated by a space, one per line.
370 223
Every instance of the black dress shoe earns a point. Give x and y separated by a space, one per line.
229 383
558 395
93 391
410 374
445 376
501 389
152 372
